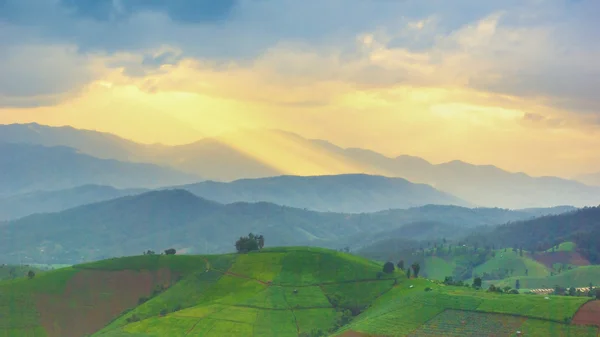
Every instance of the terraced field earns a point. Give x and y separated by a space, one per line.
277 292
405 311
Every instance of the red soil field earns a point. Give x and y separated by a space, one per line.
92 298
588 314
573 258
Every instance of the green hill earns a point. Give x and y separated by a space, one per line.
459 311
577 277
293 291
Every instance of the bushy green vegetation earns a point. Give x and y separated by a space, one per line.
568 246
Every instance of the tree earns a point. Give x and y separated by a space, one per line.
31 274
401 265
517 284
388 267
598 293
261 241
477 282
170 251
247 243
416 267
572 291
408 273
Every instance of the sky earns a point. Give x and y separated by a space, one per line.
512 83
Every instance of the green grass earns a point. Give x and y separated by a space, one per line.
390 316
564 247
438 268
577 277
285 292
512 260
277 292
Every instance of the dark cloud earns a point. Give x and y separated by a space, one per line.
187 11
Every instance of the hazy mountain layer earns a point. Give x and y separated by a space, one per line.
177 218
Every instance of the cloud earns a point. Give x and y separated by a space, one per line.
304 53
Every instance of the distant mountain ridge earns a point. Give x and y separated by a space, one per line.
17 206
266 153
177 218
27 168
345 193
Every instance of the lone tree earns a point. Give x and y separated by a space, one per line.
598 293
477 282
416 267
388 267
261 241
170 251
31 274
401 264
408 273
249 243
517 284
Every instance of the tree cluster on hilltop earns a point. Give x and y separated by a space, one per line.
249 243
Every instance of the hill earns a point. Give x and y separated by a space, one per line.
275 292
576 277
235 156
229 295
177 218
17 206
346 193
27 168
582 227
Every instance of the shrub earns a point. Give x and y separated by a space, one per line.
388 268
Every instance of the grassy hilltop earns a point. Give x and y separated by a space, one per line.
292 291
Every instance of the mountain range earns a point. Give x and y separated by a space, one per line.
177 218
351 193
267 153
344 193
27 168
20 205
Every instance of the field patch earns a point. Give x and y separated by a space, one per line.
577 277
260 266
438 268
549 259
536 327
92 298
516 265
588 314
456 323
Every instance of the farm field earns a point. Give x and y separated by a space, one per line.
577 277
418 312
518 265
283 292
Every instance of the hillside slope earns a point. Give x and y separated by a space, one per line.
177 218
538 235
277 292
346 193
261 294
27 168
